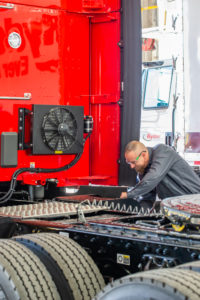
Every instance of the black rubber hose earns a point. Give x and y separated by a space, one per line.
13 183
8 195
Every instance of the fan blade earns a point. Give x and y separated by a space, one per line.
52 137
51 121
74 140
70 135
50 129
65 142
62 114
55 112
56 145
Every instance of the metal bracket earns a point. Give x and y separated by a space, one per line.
158 261
175 98
174 60
174 19
23 112
81 217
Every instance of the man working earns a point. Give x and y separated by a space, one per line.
162 168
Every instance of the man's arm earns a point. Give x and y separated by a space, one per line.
163 159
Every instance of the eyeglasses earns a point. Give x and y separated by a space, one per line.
134 162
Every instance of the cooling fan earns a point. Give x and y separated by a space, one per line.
57 129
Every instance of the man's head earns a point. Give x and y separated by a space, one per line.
137 156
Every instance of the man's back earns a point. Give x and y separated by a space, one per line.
179 177
169 173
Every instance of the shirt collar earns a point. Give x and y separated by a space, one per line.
150 150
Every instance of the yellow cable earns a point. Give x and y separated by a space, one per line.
149 7
178 228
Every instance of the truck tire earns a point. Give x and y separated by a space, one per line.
81 276
22 275
165 284
192 266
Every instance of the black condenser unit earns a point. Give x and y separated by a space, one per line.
57 129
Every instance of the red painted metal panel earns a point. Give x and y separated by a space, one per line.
83 6
94 6
50 66
53 64
105 142
105 92
53 4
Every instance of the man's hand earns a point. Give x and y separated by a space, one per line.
123 195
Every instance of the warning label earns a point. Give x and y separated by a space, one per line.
123 259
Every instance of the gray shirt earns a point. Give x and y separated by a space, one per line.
169 173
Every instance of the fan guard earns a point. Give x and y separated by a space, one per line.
59 129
